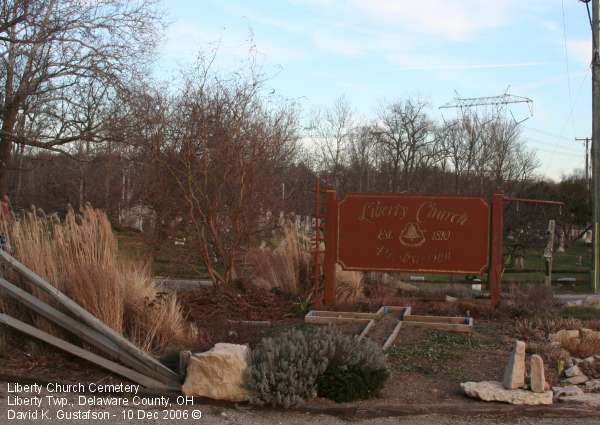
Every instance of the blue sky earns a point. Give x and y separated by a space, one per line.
374 51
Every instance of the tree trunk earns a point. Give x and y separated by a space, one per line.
81 186
6 142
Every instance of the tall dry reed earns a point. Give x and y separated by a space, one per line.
79 256
349 285
285 267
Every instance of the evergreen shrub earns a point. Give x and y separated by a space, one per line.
299 365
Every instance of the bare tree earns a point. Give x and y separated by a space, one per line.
54 50
509 161
362 158
404 137
331 129
463 143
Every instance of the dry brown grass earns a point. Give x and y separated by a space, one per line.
582 347
591 370
531 301
349 286
79 256
538 328
555 359
284 267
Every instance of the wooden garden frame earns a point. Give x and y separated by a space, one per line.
444 323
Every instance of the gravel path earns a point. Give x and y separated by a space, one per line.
211 414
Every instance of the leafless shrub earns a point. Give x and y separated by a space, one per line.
529 330
538 328
532 300
591 370
225 144
593 325
582 347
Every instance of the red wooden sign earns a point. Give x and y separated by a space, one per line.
391 232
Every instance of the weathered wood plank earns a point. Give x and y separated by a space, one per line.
88 318
450 327
351 314
326 320
390 340
367 328
436 319
84 354
255 323
82 331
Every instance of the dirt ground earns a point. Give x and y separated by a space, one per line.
426 374
222 415
423 372
427 366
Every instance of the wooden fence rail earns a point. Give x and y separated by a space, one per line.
135 355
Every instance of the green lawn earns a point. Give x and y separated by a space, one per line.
176 261
567 261
565 265
167 259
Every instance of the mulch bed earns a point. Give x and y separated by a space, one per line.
236 302
213 309
52 366
382 329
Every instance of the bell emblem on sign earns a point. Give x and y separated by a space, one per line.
412 235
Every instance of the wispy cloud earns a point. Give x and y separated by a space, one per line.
314 3
552 80
338 44
452 19
581 50
257 18
552 26
466 66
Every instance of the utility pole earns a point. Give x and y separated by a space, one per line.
587 141
595 145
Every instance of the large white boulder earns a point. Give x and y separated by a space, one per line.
495 391
220 373
569 391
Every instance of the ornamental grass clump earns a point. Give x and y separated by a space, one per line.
79 256
299 365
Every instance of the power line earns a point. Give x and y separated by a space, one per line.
564 22
553 152
547 133
572 106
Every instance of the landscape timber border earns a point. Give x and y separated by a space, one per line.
444 323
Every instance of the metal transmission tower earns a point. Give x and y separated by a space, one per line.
497 104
